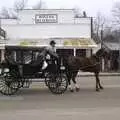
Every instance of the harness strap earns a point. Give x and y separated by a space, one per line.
97 63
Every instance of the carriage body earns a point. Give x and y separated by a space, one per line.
20 68
20 59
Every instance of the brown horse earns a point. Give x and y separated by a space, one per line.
86 64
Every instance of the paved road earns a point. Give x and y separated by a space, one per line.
38 103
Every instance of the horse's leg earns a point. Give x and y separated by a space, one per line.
69 76
74 81
100 86
97 81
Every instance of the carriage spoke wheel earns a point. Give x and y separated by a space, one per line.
47 78
8 84
58 84
21 82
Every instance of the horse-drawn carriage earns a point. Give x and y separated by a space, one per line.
21 67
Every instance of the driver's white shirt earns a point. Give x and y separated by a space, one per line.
53 49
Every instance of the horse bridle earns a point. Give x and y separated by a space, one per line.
100 54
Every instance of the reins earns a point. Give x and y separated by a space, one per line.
97 63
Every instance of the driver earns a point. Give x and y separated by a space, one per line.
52 50
52 53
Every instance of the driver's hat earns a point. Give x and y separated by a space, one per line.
52 42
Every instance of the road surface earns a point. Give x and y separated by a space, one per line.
37 103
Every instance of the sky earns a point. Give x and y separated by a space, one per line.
92 7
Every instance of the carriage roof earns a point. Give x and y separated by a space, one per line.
24 48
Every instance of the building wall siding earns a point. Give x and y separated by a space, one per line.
47 31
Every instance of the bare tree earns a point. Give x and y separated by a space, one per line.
5 13
19 5
98 26
12 13
39 5
116 13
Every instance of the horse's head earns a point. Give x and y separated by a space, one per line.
103 52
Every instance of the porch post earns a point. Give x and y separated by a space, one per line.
74 50
88 52
103 64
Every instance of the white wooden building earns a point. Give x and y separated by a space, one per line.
38 27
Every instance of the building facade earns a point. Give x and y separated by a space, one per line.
113 64
37 27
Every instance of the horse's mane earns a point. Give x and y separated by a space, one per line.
99 52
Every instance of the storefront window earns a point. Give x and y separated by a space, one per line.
81 52
27 57
65 52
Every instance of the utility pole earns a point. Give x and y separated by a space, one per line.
101 33
103 61
0 28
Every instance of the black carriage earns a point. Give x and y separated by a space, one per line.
20 69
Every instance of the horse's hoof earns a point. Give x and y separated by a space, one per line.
98 90
71 90
101 88
77 89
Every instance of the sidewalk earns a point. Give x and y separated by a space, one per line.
86 74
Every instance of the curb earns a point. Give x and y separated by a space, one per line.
101 74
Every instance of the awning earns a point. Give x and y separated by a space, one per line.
113 46
84 43
80 42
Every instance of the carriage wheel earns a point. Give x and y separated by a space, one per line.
47 78
58 83
46 81
21 82
8 84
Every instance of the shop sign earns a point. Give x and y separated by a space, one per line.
46 18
